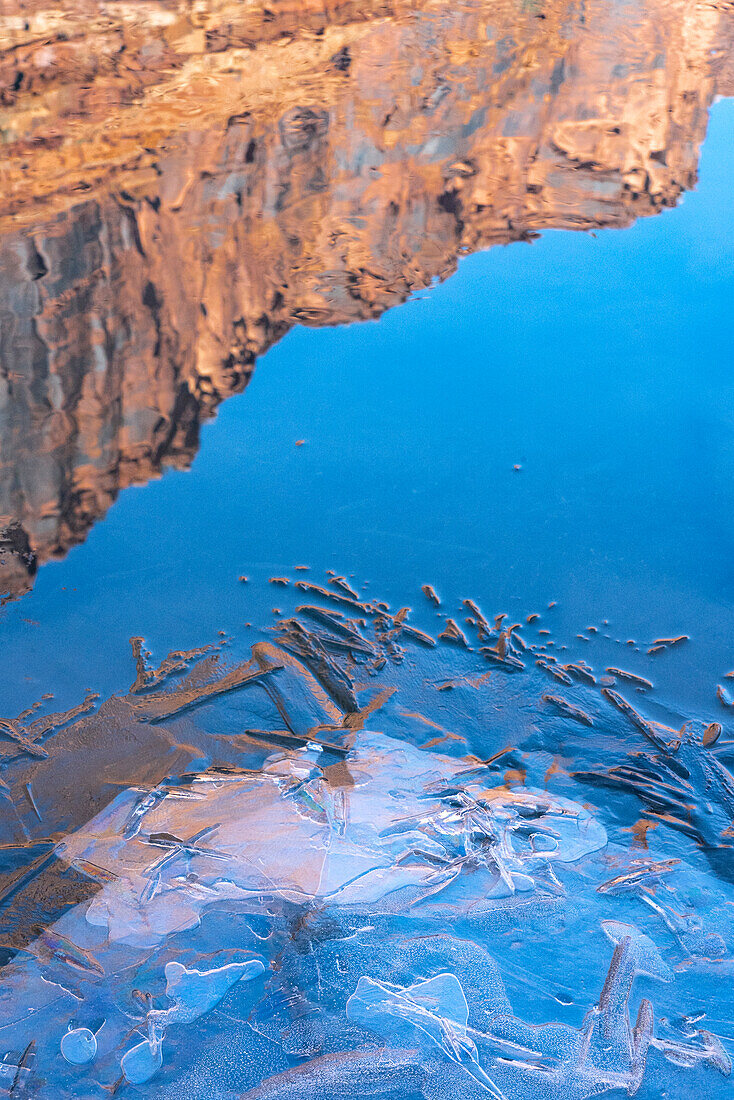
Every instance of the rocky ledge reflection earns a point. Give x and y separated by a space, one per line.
182 185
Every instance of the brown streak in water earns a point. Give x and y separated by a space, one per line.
357 721
556 673
723 697
446 736
344 587
422 718
569 709
30 710
454 634
418 635
272 658
639 832
18 736
508 661
470 681
278 737
675 822
554 769
333 677
495 755
335 620
661 644
338 597
175 661
167 704
483 627
580 670
431 595
711 734
29 736
631 676
52 722
652 730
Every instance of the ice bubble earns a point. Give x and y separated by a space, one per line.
142 1061
79 1046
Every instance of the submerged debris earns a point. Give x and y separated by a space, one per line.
640 681
28 736
568 708
176 661
452 633
661 644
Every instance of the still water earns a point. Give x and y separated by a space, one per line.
366 541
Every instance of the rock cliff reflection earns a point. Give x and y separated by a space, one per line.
180 188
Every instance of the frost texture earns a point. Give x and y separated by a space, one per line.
326 891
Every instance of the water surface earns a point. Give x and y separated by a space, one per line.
472 270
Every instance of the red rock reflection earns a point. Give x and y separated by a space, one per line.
180 186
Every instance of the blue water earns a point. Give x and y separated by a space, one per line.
602 365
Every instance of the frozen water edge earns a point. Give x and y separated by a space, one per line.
262 924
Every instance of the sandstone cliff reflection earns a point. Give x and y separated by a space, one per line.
179 190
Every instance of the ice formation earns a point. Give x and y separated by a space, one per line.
341 870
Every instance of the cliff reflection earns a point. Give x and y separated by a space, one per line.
182 185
